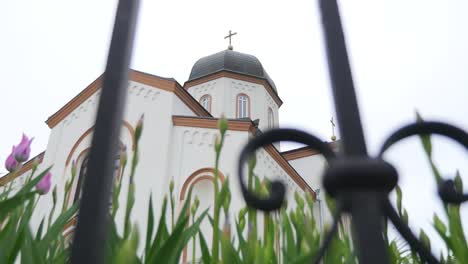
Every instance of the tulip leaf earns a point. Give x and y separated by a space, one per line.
149 230
204 249
12 203
57 227
161 234
425 138
39 230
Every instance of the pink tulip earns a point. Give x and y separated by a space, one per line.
43 186
10 163
23 150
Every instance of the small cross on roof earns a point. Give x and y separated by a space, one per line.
230 36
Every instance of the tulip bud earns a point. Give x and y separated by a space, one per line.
310 198
458 182
123 156
424 239
23 150
242 224
193 209
54 194
171 186
217 144
405 216
10 163
43 186
242 213
139 128
222 124
227 201
35 163
264 191
195 205
252 161
73 168
299 200
439 225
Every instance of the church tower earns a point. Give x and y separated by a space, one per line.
235 84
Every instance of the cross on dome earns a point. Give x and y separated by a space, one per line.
230 36
333 137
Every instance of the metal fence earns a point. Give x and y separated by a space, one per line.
358 182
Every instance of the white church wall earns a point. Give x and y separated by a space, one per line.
267 167
311 168
215 90
224 91
152 174
72 137
166 151
260 100
62 140
194 150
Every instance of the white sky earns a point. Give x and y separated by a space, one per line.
405 55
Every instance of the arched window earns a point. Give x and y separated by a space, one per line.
271 118
243 106
205 101
83 172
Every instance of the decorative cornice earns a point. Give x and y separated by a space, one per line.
58 116
247 125
191 102
236 125
237 76
169 85
307 151
276 155
299 153
26 167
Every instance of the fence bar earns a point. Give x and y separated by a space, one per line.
346 106
366 207
91 233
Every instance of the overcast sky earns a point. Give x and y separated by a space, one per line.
405 55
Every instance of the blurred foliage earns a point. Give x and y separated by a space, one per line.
290 235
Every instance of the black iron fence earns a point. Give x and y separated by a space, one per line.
358 182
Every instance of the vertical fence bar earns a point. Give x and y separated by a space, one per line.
366 207
91 233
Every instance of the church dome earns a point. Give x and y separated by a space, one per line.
232 61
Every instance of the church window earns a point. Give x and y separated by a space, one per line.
271 118
243 106
205 101
84 172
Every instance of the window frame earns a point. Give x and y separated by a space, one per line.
207 96
271 118
247 108
83 173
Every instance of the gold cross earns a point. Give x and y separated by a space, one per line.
230 36
333 137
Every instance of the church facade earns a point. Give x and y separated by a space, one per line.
177 143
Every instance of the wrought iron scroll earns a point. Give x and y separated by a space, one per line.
359 183
90 237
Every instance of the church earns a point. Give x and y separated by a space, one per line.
177 143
